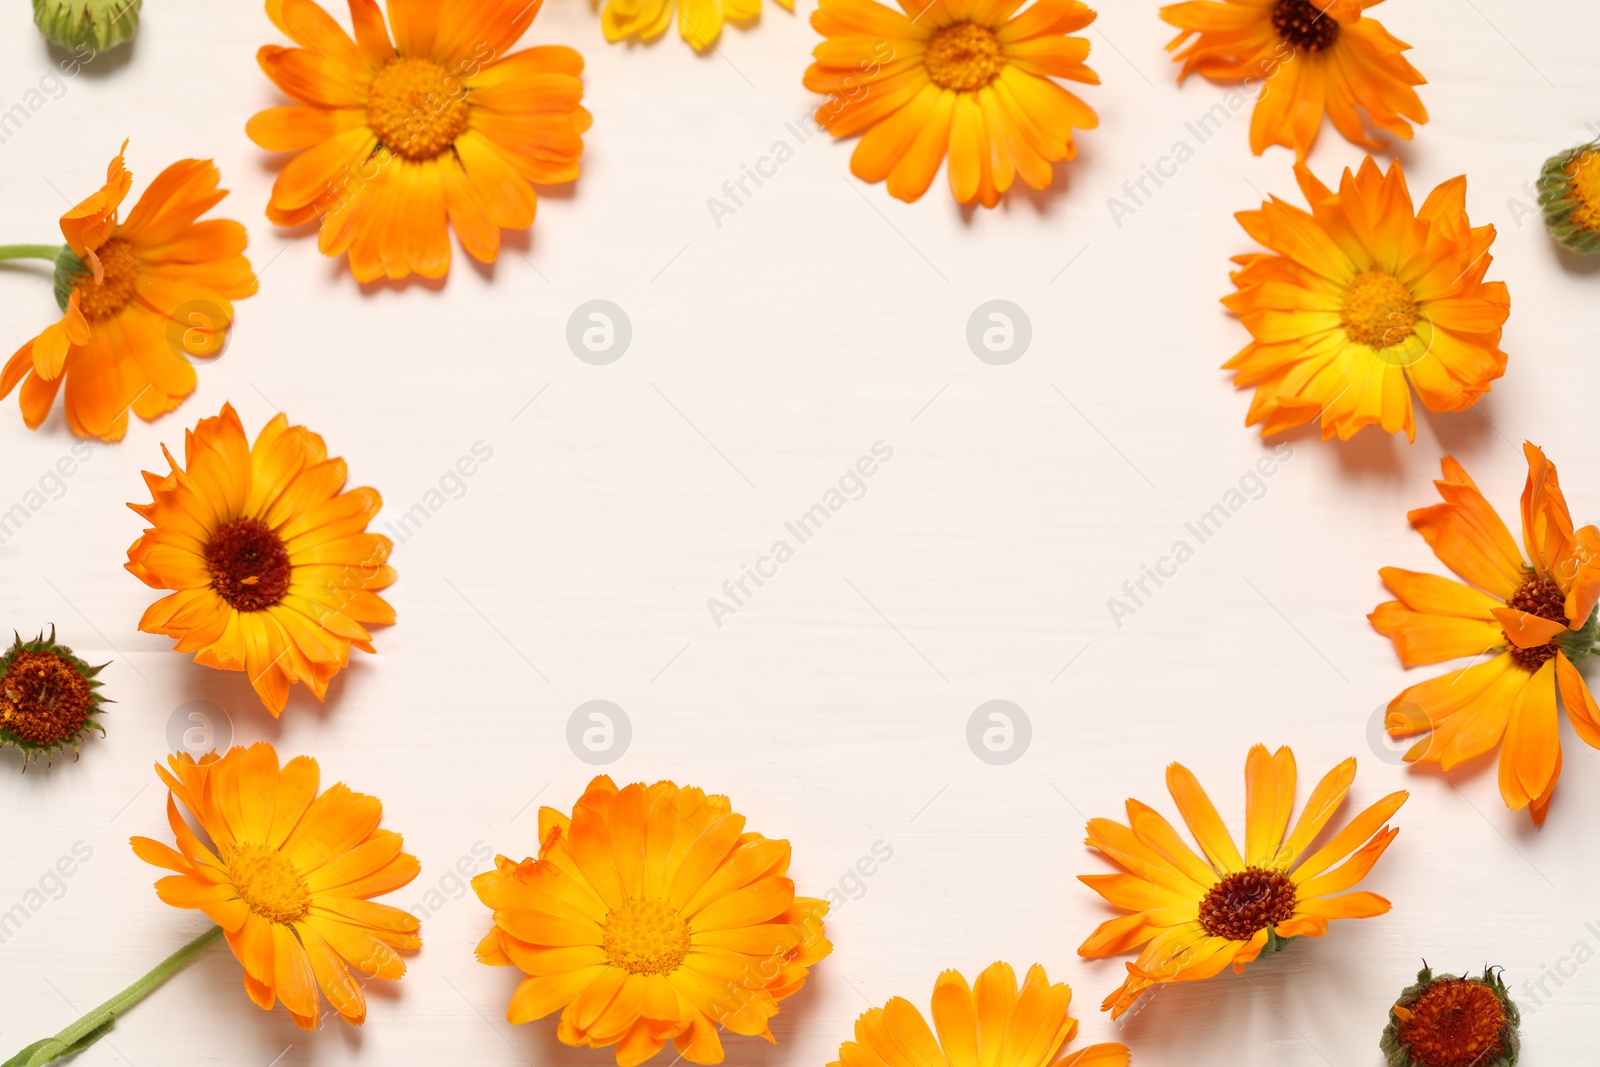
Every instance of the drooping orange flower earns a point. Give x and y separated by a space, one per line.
992 1023
289 874
1191 917
1537 619
651 915
397 137
1363 299
1314 57
139 300
970 80
273 570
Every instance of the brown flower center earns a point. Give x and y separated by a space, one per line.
1583 179
646 937
268 883
1378 311
1541 597
249 564
1455 1023
964 57
1247 901
44 700
119 280
417 107
1304 25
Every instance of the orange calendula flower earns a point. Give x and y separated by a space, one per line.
140 299
651 915
289 875
1537 618
992 1023
1190 917
395 137
1363 299
699 21
1315 57
273 569
967 79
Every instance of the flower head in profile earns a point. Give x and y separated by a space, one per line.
1449 1021
95 25
1526 621
48 698
1361 300
959 80
289 874
141 298
700 22
992 1023
1569 192
1316 58
398 136
1188 917
651 915
272 569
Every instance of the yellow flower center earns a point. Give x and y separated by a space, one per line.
1378 311
1245 902
1455 1023
646 937
119 278
1541 597
1304 25
249 565
417 107
268 883
964 57
1583 178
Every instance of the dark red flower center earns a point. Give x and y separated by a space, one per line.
1455 1023
1541 597
1304 25
1247 901
44 700
249 565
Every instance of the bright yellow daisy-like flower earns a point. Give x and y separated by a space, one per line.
990 1024
396 137
651 915
288 873
1538 618
1315 57
1363 299
272 568
970 80
699 21
141 299
1190 917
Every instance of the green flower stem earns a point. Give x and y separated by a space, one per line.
49 252
93 1026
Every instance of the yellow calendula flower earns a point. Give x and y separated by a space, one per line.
991 1023
700 22
651 915
1189 917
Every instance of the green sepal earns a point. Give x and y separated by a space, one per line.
1275 943
1576 644
95 24
1398 1055
1560 202
69 269
31 750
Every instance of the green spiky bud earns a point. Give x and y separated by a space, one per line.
1569 193
99 24
48 698
1449 1019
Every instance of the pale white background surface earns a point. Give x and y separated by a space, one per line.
767 355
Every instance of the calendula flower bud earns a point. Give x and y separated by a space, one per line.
99 24
1569 193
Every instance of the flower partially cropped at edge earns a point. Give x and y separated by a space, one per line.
1536 618
961 80
272 567
651 915
993 1024
48 698
96 24
1569 193
1449 1021
1316 56
1362 299
395 138
139 299
1190 917
289 874
699 21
